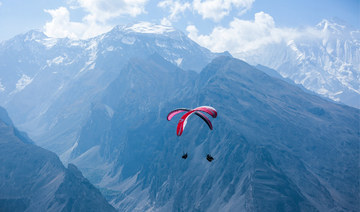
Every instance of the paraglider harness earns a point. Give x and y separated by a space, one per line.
182 122
209 157
184 156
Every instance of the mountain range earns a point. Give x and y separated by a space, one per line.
47 84
275 146
325 60
101 104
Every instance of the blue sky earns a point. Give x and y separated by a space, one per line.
87 18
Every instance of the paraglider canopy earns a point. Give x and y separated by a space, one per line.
198 111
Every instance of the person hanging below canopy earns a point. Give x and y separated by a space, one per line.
184 156
199 111
209 157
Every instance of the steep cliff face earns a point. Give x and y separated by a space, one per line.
275 146
34 179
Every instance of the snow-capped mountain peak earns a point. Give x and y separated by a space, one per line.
34 35
327 63
331 26
32 61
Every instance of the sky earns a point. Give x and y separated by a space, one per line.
205 21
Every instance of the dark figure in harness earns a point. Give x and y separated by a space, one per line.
184 156
209 157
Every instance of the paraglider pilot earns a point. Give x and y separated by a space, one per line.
184 156
209 157
183 120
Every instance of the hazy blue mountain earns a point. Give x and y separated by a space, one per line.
34 179
101 104
273 73
47 84
276 147
326 61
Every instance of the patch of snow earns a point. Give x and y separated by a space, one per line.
128 40
292 45
177 46
92 48
56 61
49 42
76 43
352 89
23 82
82 69
178 61
322 91
61 86
159 44
92 66
146 27
71 62
110 49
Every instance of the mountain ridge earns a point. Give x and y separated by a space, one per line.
264 127
104 110
74 72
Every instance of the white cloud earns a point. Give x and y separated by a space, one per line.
175 8
60 26
0 3
100 12
103 10
207 9
218 9
166 22
243 35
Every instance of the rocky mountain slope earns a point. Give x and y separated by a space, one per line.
47 84
275 146
102 104
34 179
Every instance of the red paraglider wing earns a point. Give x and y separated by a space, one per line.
183 121
207 109
176 111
